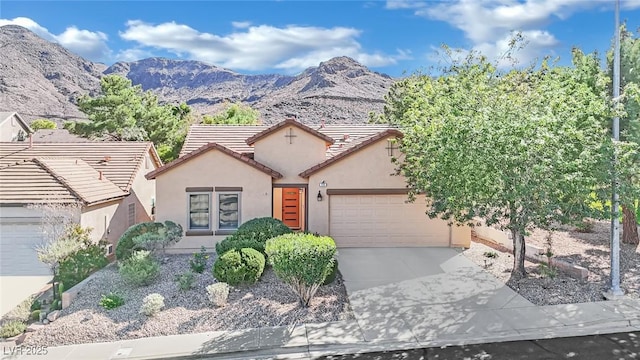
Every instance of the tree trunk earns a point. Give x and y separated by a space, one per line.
518 254
629 226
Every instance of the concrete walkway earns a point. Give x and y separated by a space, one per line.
400 301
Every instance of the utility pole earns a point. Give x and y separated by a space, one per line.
615 290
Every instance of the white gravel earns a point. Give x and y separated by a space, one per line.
267 303
589 250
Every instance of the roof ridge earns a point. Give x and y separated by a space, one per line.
59 179
251 140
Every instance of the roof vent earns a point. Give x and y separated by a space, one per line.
322 125
346 138
100 177
105 160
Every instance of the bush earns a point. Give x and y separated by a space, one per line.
111 301
126 246
302 261
152 304
332 274
185 281
81 264
35 315
43 124
12 328
140 269
56 305
22 311
253 234
218 293
36 305
199 261
242 266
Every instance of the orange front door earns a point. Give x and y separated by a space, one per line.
291 207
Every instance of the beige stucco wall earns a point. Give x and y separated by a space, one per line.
9 129
369 168
144 190
211 169
276 152
99 218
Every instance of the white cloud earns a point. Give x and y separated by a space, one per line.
257 47
241 24
133 54
89 44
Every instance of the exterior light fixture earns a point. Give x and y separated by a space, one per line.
319 195
323 183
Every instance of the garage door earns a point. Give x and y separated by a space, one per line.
383 221
18 239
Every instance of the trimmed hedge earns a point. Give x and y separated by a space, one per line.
303 261
332 274
126 246
235 267
253 234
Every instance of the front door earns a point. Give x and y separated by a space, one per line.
291 207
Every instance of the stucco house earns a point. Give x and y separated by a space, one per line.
107 180
331 179
13 127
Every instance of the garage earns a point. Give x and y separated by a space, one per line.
384 220
18 240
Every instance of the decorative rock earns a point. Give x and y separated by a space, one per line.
22 337
45 321
87 317
53 315
34 327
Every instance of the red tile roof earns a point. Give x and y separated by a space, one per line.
205 148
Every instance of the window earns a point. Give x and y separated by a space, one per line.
132 214
228 210
199 211
109 249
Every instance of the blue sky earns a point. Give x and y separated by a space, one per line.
392 37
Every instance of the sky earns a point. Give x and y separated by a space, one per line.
395 37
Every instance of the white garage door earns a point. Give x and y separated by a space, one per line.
18 239
383 221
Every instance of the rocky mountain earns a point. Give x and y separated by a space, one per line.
42 79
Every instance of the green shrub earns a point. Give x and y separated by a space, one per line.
12 328
126 246
140 269
56 305
253 234
199 261
81 264
302 261
35 315
332 274
242 266
43 124
22 311
111 301
239 241
36 305
185 281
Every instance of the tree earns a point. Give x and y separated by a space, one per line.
514 150
629 121
43 124
123 112
233 114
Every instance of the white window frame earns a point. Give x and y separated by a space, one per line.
189 194
239 194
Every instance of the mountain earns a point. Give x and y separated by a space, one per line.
42 79
39 78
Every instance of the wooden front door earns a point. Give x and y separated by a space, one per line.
291 207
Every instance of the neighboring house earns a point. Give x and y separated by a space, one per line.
334 180
13 127
106 178
56 135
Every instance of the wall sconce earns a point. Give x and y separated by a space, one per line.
323 183
319 196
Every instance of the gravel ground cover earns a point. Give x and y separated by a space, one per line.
589 250
267 303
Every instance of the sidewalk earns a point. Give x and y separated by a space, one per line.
312 340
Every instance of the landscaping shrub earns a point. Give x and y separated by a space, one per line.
152 304
81 264
56 305
36 305
126 246
111 301
332 274
242 266
22 311
35 315
218 293
199 261
12 328
302 261
253 234
140 269
185 281
240 241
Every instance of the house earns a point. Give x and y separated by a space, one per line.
107 180
331 179
13 127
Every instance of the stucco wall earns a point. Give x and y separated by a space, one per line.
99 218
9 129
211 169
276 152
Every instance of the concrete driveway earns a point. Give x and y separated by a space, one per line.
421 293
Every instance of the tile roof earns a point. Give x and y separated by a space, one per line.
28 182
56 135
234 137
119 160
203 149
289 122
352 149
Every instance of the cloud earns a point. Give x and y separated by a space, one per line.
257 47
488 24
89 44
133 54
241 24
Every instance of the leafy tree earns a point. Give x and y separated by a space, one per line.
514 150
43 124
629 121
233 114
124 112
